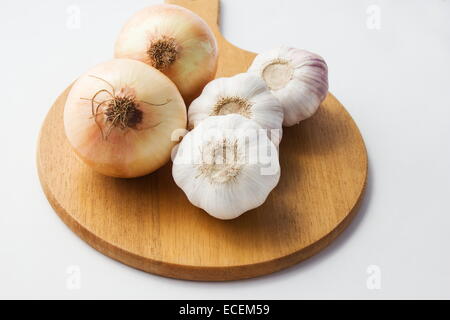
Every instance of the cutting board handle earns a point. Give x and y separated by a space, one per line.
207 9
232 60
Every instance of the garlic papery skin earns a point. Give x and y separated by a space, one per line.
244 94
120 115
174 40
298 78
226 165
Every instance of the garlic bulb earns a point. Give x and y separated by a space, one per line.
119 118
175 41
243 94
227 165
298 78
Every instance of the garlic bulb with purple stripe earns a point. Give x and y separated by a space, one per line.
298 78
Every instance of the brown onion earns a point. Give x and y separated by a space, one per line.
174 40
120 115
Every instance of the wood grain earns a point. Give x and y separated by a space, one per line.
148 223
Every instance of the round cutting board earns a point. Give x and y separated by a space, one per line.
149 224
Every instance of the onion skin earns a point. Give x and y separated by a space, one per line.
131 151
196 61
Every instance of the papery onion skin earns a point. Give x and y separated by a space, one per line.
197 52
131 151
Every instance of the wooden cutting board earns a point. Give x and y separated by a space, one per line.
149 224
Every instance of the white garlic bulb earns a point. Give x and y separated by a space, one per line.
244 94
226 165
298 78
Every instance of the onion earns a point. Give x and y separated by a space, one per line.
120 115
174 40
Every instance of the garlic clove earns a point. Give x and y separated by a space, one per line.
226 166
298 78
244 94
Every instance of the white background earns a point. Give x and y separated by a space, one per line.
395 82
